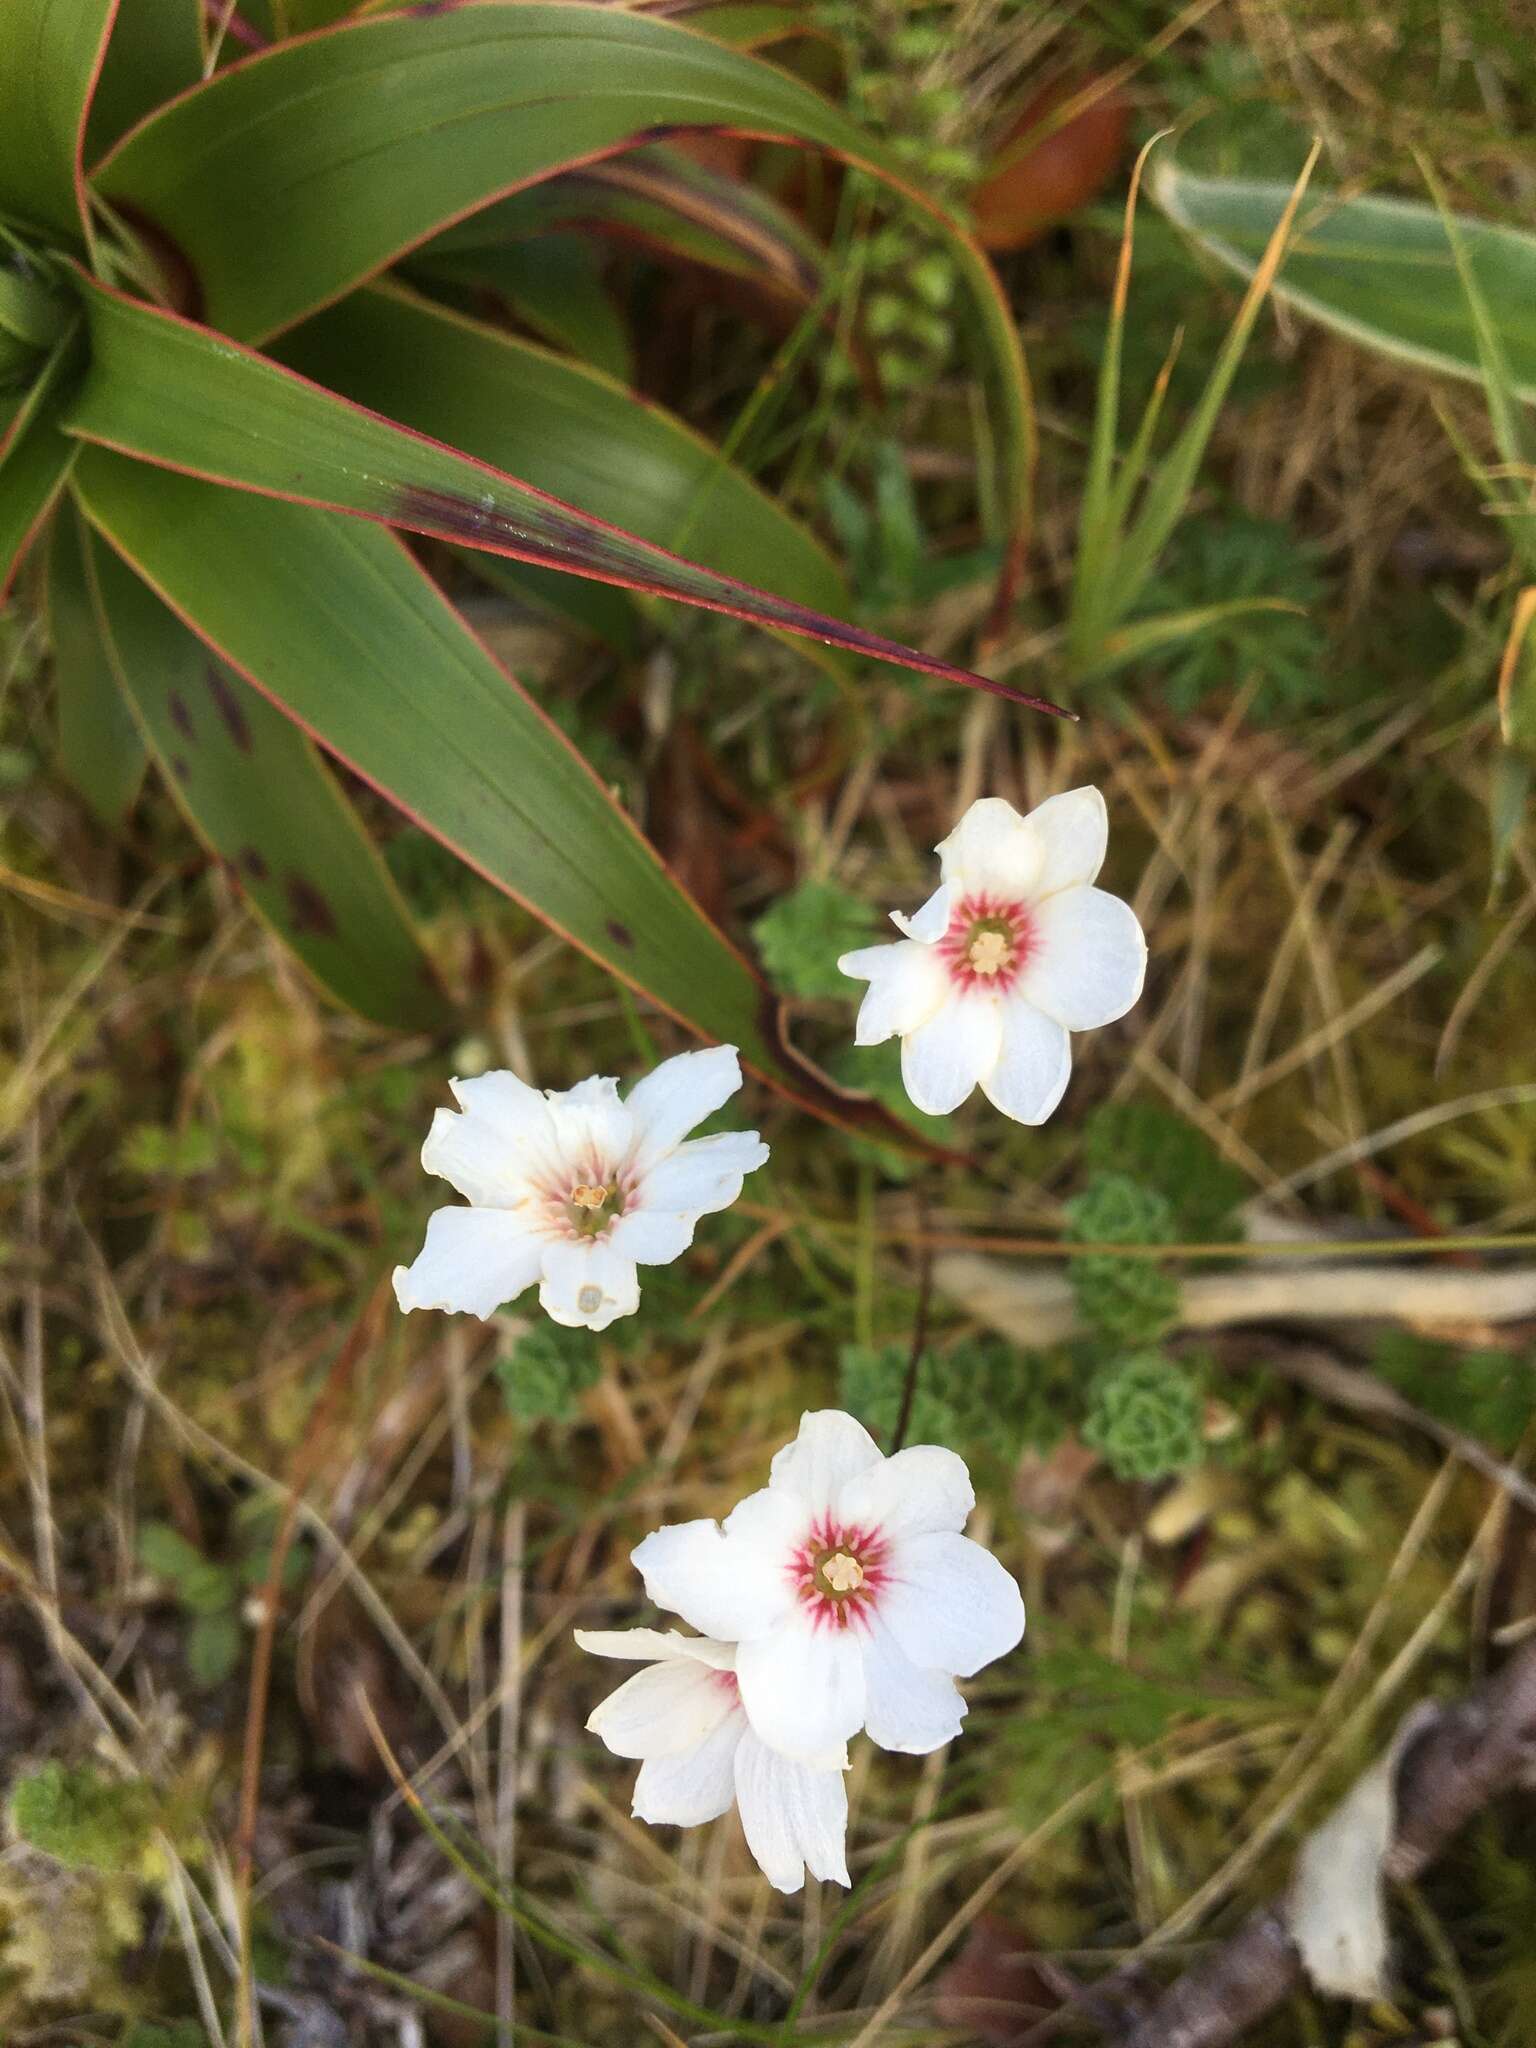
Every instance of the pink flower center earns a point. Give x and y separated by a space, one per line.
987 943
838 1572
584 1202
726 1681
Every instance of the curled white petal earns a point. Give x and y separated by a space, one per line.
794 1817
653 1645
1089 959
931 922
471 1153
703 1175
1034 1063
942 1060
473 1261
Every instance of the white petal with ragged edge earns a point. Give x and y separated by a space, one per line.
942 1060
802 1687
472 1154
655 1645
499 1100
1073 830
473 1261
992 850
586 1284
907 985
917 1491
1034 1064
694 1785
677 1095
830 1449
1087 959
703 1175
909 1709
950 1605
931 922
795 1818
594 1130
664 1708
731 1587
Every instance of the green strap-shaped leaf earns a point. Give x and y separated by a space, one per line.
172 392
335 622
1382 271
257 794
338 153
50 51
666 202
35 456
155 51
555 286
101 750
568 430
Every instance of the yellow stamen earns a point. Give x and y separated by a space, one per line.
843 1574
585 1197
990 953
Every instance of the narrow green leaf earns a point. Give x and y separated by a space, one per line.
35 456
258 795
1511 429
1382 271
340 152
553 285
101 752
174 393
567 430
155 51
49 54
335 622
1146 636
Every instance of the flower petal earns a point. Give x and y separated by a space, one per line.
517 1113
731 1586
702 1175
594 1130
587 1284
793 1816
944 1059
651 1237
931 922
473 1260
1073 830
950 1605
473 1155
993 850
655 1645
692 1785
664 1708
803 1688
678 1094
1087 960
830 1449
907 984
911 1494
1034 1064
910 1710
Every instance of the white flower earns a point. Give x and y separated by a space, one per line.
682 1717
1012 952
850 1594
575 1190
